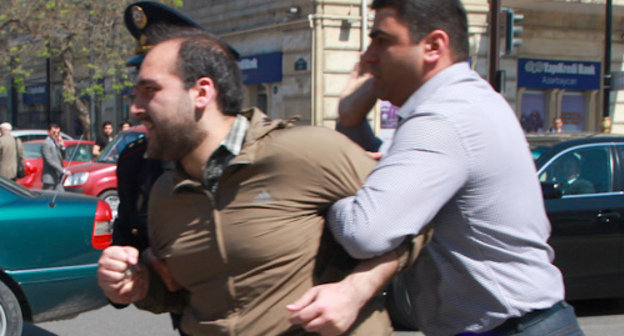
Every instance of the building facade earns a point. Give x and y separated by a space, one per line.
297 55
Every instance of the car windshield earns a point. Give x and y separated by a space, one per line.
110 154
536 152
82 152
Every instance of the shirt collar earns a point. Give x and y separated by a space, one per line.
442 78
235 138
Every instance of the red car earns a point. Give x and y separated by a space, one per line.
78 151
99 177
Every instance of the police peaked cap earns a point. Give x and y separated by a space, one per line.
140 15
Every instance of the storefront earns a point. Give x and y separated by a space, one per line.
261 75
550 89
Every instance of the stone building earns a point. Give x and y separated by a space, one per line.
297 55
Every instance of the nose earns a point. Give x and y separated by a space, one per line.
136 109
369 56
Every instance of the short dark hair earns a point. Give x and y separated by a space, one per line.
424 16
202 54
106 123
53 125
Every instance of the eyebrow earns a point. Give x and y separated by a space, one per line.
145 81
376 32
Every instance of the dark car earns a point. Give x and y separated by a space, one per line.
50 245
99 177
583 184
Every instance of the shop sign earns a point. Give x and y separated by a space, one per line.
558 74
35 94
264 68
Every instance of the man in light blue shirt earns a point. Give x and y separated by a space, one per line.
459 162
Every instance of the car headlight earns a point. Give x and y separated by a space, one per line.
76 179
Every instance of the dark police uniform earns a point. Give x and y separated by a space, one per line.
135 177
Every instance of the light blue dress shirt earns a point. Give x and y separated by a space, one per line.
459 160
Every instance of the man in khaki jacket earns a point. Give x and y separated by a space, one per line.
11 151
237 228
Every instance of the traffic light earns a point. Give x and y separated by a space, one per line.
512 30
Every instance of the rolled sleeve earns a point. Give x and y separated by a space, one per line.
425 166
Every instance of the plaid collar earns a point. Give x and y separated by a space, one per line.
228 148
235 138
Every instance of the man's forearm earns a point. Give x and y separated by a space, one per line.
372 275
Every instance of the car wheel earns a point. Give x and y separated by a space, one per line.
112 198
10 313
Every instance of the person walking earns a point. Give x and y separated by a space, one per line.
459 162
11 152
52 153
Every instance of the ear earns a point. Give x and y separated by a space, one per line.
204 91
437 46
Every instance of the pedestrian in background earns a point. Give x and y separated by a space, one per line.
557 126
460 163
52 153
103 138
124 126
11 152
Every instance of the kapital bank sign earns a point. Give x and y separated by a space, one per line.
548 74
538 67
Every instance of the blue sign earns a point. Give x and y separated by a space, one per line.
265 68
35 94
556 74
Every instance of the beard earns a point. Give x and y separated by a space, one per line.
176 137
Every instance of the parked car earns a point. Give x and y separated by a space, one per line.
50 246
583 184
35 134
99 177
78 151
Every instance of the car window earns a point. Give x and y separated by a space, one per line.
32 150
581 170
82 152
111 152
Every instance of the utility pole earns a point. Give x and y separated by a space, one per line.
494 24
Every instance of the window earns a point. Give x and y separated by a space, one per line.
581 170
573 111
533 113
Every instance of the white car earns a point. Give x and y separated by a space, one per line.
34 134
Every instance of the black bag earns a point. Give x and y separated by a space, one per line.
21 172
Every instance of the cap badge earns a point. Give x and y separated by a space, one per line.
138 17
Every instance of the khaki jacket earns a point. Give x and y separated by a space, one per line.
9 154
255 246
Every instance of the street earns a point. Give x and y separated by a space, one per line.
597 318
